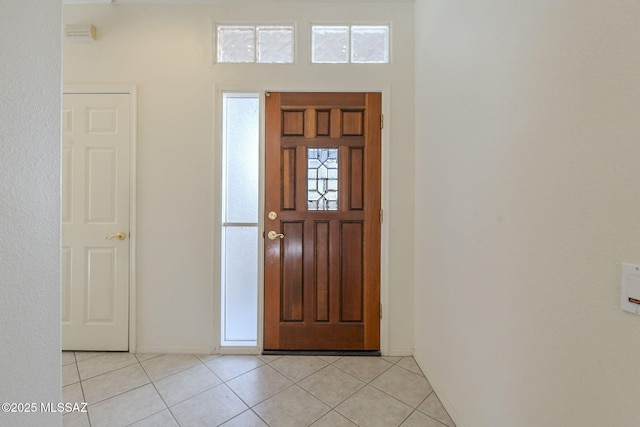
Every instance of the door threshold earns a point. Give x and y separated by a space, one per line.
370 353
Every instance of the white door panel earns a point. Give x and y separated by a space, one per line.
95 205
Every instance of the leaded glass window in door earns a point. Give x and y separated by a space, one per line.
322 179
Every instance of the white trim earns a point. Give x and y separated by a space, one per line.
216 174
386 180
261 190
400 352
174 350
132 91
239 350
387 214
225 224
100 88
218 202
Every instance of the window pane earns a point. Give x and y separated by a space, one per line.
275 44
322 179
241 146
236 44
240 278
370 44
329 44
239 248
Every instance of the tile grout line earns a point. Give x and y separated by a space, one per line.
433 392
158 392
117 394
293 382
333 408
239 375
395 398
84 398
184 400
173 373
301 379
364 384
249 407
223 382
106 372
369 383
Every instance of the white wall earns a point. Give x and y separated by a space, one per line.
166 51
527 203
30 208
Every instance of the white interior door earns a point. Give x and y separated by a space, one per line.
96 143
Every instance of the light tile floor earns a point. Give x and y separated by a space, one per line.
124 389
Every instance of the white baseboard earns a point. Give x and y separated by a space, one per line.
239 350
175 350
399 352
393 352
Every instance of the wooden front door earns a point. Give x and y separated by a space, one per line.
322 221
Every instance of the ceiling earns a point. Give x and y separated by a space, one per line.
222 1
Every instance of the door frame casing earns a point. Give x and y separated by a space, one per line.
131 90
385 90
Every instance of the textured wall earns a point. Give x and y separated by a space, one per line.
165 50
529 202
30 77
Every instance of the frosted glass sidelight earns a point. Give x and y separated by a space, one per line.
322 179
329 44
275 44
236 43
370 44
240 276
241 155
239 243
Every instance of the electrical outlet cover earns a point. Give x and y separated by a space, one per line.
630 292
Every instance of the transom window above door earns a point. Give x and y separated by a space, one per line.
271 44
275 44
367 44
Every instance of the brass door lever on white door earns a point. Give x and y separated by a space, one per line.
120 235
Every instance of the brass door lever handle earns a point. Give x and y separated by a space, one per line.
272 235
120 235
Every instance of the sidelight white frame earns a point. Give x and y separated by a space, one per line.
225 224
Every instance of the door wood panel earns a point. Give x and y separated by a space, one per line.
322 279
